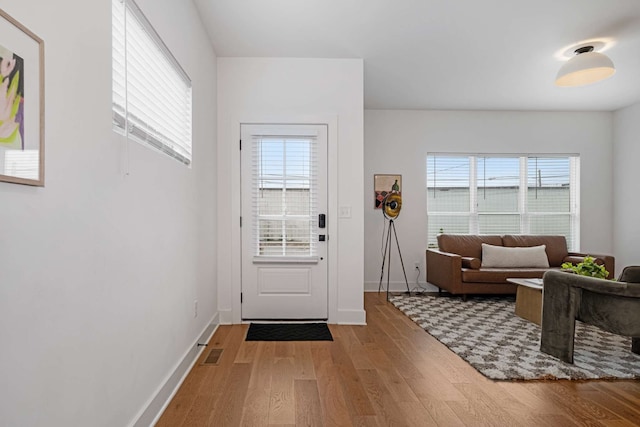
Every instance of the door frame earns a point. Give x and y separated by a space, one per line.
235 245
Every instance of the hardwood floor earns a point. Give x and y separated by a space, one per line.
389 372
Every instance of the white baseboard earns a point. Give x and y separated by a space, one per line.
226 317
352 317
151 412
398 286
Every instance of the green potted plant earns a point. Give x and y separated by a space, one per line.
588 267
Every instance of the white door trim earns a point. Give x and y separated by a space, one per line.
235 248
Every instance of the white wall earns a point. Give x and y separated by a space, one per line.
398 142
296 90
626 175
98 271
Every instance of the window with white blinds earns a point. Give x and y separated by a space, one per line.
284 194
503 194
151 92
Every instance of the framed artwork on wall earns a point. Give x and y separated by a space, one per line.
384 184
21 103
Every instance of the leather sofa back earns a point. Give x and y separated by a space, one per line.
466 245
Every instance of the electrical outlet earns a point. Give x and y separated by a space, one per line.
417 264
195 308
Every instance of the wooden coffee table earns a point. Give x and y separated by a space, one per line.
529 299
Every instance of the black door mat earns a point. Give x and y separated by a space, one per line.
289 332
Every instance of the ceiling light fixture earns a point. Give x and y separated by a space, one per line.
585 68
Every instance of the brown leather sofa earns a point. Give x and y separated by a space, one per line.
456 266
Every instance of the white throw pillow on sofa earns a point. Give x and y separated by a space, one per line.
514 257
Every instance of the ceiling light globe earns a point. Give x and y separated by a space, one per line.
584 69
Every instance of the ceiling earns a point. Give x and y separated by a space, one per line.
444 54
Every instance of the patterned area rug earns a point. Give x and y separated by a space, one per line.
486 333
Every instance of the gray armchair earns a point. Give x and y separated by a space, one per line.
612 306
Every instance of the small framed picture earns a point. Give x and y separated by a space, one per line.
22 112
384 184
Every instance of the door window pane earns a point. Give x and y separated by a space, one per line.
284 185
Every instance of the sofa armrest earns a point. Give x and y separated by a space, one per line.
608 260
471 262
560 279
444 270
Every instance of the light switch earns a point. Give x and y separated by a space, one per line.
344 212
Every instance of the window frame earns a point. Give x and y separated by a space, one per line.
525 215
286 138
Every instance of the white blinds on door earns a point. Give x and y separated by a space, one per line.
284 196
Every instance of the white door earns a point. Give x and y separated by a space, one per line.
284 223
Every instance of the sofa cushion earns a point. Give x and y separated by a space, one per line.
556 246
504 257
466 245
468 262
500 275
